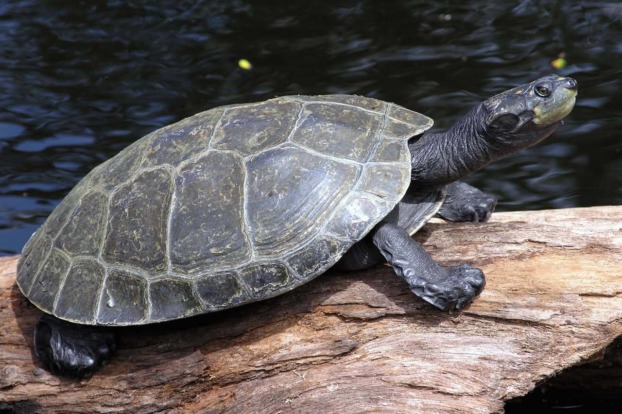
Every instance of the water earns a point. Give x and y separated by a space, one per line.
80 80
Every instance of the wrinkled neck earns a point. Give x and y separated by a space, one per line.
441 158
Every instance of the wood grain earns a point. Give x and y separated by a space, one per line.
360 342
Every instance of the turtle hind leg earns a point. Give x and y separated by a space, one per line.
361 255
70 349
446 288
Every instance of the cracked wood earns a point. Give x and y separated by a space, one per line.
360 342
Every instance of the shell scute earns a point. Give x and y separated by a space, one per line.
136 233
180 141
46 284
249 129
207 226
90 213
265 279
79 297
172 299
124 299
292 194
222 290
338 130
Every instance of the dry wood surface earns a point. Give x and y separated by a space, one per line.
360 342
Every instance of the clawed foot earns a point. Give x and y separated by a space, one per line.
479 212
456 291
467 204
447 289
70 349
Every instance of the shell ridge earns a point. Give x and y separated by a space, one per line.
209 148
399 121
169 219
246 225
217 126
326 156
358 108
41 263
195 294
102 290
138 172
298 120
380 135
342 204
149 310
106 220
174 173
203 154
65 224
61 285
169 214
120 267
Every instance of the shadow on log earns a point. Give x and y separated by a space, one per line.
360 342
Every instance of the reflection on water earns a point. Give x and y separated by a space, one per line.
80 80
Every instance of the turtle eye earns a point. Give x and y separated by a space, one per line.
542 91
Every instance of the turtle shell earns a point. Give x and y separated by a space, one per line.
229 206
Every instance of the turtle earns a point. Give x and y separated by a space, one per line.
244 202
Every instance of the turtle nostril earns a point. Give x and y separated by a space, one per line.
570 83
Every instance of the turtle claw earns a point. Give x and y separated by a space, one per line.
462 284
72 350
467 204
479 212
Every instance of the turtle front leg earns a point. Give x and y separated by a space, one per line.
70 349
446 288
467 203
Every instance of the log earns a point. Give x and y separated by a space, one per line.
595 386
360 342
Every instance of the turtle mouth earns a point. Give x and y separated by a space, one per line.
559 105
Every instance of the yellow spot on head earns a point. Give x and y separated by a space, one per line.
245 64
519 92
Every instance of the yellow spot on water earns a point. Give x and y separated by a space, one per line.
560 62
245 64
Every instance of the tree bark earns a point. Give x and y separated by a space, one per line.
360 342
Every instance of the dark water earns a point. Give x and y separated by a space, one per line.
80 80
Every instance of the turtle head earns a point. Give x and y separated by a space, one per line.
525 115
497 127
